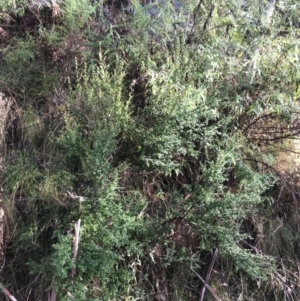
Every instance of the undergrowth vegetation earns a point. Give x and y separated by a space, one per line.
139 157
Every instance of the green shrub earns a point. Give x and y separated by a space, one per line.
157 141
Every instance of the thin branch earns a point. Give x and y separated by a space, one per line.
196 10
271 114
75 197
212 8
288 136
292 189
281 278
281 131
183 285
209 273
275 273
7 293
52 295
208 287
256 250
76 243
288 150
270 167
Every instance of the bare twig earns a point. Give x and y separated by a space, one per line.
212 8
287 150
258 119
256 250
196 11
75 197
293 136
268 166
295 194
288 288
7 293
209 273
76 243
208 287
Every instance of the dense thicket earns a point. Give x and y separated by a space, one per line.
152 129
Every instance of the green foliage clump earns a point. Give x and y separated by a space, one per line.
155 137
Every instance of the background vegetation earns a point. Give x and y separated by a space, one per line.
153 130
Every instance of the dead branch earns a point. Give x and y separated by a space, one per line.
7 293
52 295
208 287
209 273
76 243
